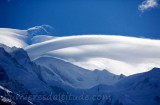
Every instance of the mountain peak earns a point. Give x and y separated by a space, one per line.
41 30
154 71
3 52
155 68
2 49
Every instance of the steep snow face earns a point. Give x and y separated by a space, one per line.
20 75
21 70
74 76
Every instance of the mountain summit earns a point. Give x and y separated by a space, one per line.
41 30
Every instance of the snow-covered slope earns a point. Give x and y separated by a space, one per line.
138 89
9 98
66 73
58 72
22 76
18 67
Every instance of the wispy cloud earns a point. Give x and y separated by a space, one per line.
148 4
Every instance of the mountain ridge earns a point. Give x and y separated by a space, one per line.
127 91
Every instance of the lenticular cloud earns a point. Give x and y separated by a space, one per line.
118 54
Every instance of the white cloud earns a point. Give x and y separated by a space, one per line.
118 54
148 4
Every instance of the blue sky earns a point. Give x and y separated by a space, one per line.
72 17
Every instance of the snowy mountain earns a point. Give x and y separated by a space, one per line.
55 70
41 30
22 76
37 64
23 38
138 89
74 76
117 54
20 71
